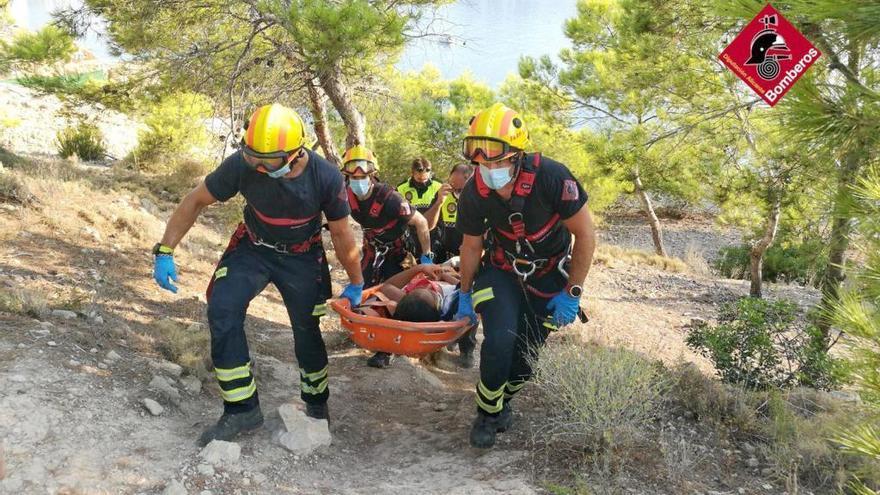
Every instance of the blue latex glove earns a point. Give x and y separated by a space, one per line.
465 308
425 260
353 292
564 308
163 269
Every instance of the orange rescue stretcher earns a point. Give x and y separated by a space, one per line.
379 332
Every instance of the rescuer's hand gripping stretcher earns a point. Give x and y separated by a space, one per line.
410 314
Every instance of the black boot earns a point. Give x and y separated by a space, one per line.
318 411
505 419
230 426
486 427
380 360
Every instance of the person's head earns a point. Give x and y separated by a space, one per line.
359 166
459 176
496 138
274 138
421 170
419 305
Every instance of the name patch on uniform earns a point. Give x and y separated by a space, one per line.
570 190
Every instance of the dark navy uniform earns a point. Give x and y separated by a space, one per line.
278 242
384 217
519 273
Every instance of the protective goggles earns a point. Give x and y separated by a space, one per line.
490 149
365 166
264 160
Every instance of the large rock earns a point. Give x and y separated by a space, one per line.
191 384
154 407
63 313
163 386
175 487
302 434
172 369
220 453
419 372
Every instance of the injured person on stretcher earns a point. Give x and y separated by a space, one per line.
423 293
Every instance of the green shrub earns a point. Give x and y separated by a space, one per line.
858 314
600 394
46 46
798 263
175 127
83 140
13 190
710 401
23 302
63 84
760 344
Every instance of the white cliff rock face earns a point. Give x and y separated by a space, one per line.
30 121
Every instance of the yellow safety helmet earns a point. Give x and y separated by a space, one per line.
274 131
495 133
359 157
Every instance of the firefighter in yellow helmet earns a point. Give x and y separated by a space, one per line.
529 278
287 188
385 217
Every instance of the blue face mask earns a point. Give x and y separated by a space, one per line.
360 187
281 172
495 178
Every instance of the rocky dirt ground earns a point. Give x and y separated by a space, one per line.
73 410
72 414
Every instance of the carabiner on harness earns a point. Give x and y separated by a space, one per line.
517 262
381 251
518 226
278 247
561 265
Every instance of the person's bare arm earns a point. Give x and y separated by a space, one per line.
581 227
185 215
432 215
421 226
342 236
470 253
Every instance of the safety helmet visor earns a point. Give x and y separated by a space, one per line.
268 161
351 167
490 149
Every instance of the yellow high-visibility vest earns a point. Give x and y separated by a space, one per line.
419 202
449 210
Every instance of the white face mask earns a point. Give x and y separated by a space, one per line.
495 178
360 187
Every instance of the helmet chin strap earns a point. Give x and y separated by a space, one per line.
517 165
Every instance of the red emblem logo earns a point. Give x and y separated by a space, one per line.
770 55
